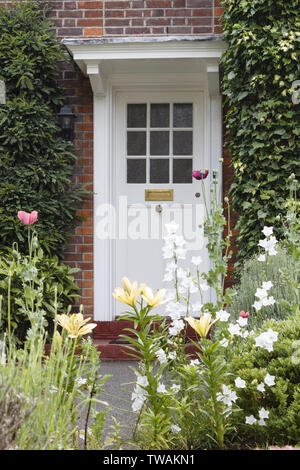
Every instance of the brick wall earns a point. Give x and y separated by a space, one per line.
135 17
80 249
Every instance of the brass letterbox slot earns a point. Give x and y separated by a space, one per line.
159 195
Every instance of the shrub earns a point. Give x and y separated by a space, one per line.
282 399
260 66
252 276
12 415
53 280
36 163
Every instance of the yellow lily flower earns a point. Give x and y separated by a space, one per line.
75 324
130 292
153 300
202 326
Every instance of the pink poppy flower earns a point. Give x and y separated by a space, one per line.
244 314
200 174
26 218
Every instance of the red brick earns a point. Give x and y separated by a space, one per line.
198 3
218 29
155 12
218 11
84 230
117 22
132 13
90 22
179 3
179 12
93 14
179 30
114 13
178 21
200 21
118 5
88 275
69 32
93 32
202 12
202 30
158 21
159 30
70 14
89 5
70 5
158 3
115 31
69 23
137 22
88 292
137 4
138 31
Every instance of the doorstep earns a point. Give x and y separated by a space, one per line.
111 347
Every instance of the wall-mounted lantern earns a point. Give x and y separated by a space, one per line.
66 122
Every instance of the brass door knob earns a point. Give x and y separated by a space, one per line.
197 194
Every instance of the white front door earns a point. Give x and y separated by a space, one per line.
159 141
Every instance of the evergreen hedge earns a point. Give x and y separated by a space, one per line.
261 65
36 163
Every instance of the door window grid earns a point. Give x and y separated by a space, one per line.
175 158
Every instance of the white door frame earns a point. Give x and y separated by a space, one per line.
104 118
120 64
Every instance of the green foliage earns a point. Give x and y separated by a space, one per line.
282 399
36 164
252 276
50 395
260 65
38 279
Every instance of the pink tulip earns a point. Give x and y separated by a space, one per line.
244 314
26 218
200 175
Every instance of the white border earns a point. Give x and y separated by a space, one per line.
90 57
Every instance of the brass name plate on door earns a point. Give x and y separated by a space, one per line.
159 195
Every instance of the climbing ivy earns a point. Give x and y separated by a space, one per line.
261 66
